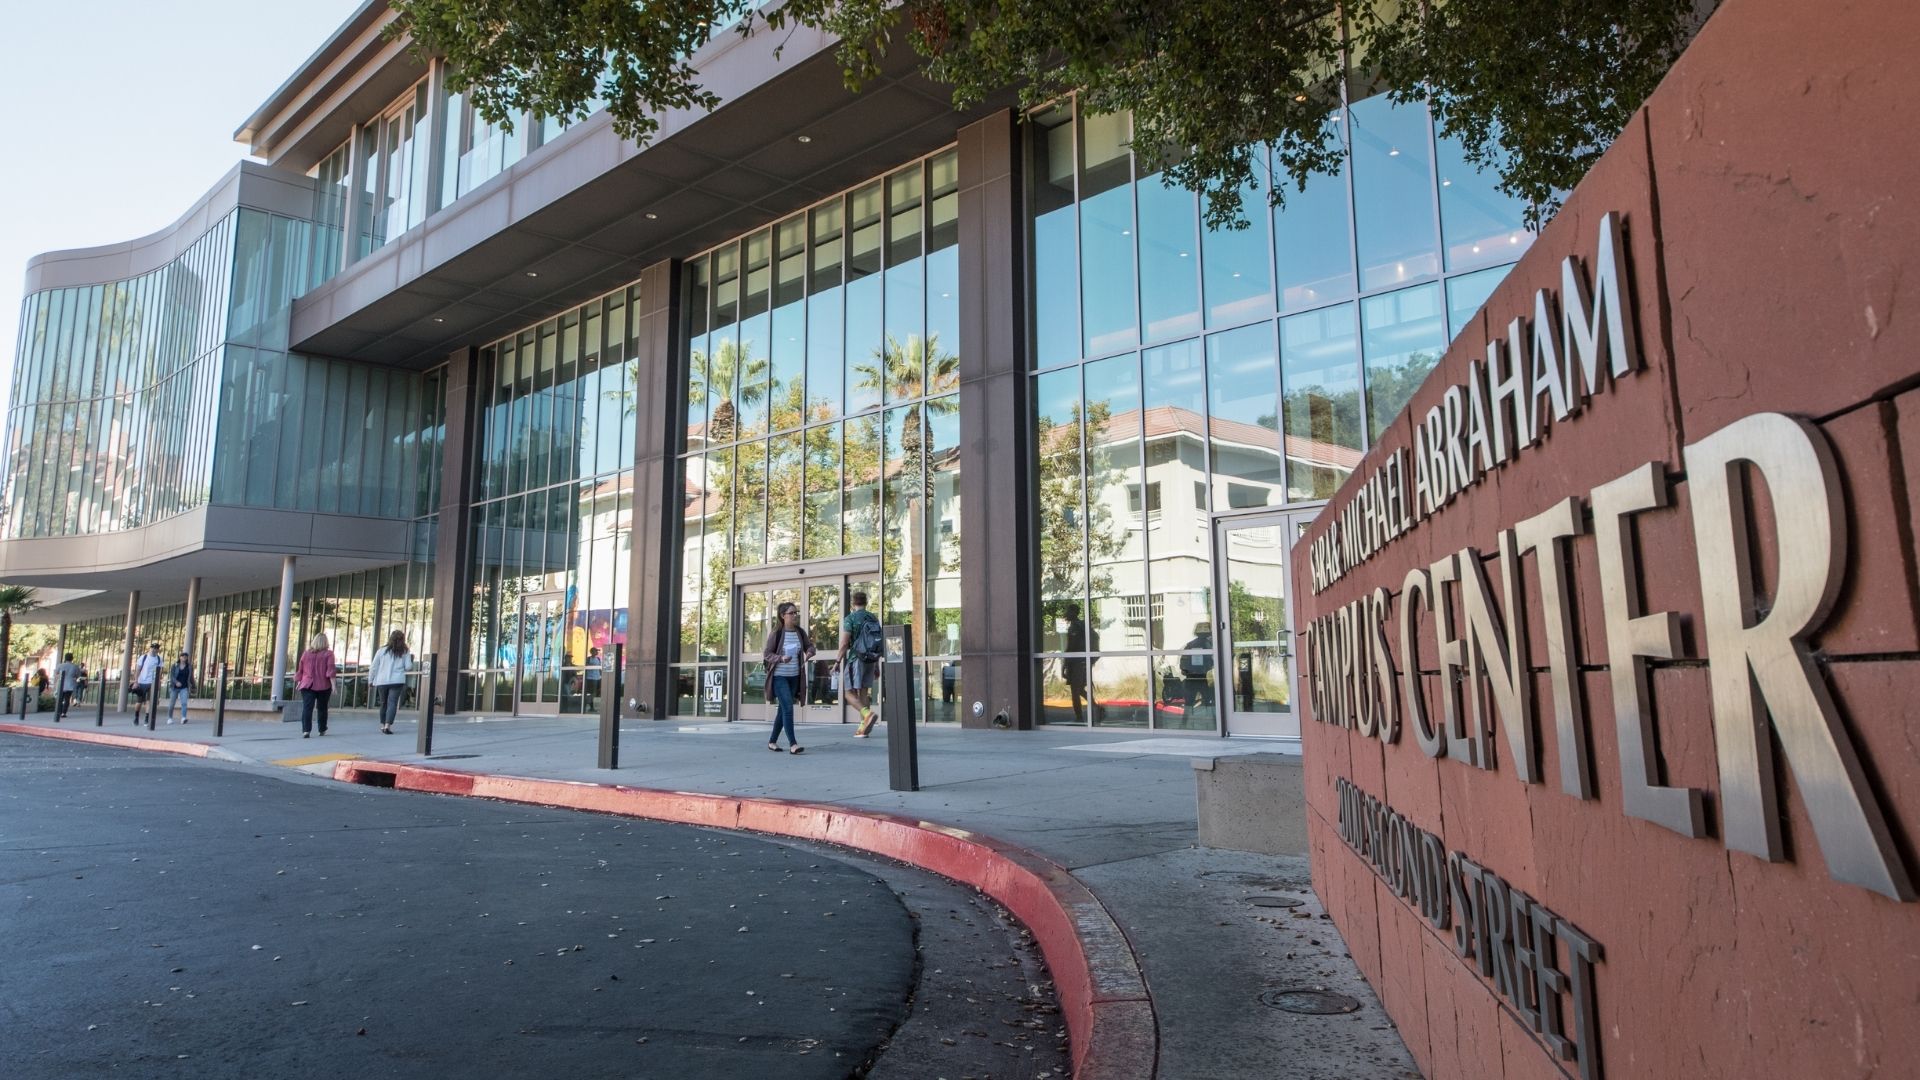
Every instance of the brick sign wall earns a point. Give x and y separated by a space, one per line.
1611 664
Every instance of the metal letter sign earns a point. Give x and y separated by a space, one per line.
1760 666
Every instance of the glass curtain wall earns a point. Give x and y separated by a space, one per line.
553 517
307 433
1183 372
107 429
822 414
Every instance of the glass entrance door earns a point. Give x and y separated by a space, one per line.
1253 637
541 654
822 600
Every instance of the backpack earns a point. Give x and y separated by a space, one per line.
867 643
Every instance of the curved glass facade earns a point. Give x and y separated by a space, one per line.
1184 373
105 431
822 414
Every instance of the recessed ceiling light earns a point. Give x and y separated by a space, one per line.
437 318
533 273
1395 152
651 216
803 138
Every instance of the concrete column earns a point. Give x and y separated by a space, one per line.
126 651
189 636
60 647
282 627
652 613
453 542
997 539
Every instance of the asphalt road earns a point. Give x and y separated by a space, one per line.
167 917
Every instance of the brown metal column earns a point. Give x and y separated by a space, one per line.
996 441
658 502
453 541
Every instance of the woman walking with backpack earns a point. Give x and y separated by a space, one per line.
788 650
387 677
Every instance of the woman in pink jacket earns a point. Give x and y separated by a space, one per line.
315 680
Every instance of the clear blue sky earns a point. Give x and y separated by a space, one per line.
122 113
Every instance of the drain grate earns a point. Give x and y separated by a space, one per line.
1275 901
1309 1002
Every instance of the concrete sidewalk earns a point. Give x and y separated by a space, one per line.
1117 809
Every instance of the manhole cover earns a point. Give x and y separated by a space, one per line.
1310 1002
452 757
1275 901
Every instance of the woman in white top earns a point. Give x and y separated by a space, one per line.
387 676
788 650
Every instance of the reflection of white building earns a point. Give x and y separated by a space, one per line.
1152 585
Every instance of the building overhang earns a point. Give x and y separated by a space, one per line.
230 548
353 75
586 213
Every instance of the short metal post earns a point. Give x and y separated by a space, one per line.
898 692
26 694
220 702
610 710
425 744
153 700
100 703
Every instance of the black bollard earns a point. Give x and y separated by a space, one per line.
26 694
220 703
100 705
610 710
425 744
898 692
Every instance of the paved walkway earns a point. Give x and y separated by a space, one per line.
1116 808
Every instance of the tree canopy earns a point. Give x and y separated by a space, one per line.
1534 90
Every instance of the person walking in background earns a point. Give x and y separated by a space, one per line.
387 675
146 679
786 654
179 686
591 678
68 677
861 644
316 683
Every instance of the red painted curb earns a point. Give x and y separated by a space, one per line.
124 742
1102 994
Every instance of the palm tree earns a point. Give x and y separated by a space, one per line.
899 368
14 600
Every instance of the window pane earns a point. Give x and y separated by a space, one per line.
1235 266
943 569
1321 372
822 528
1243 423
1483 225
1106 235
1313 239
862 521
1176 405
1402 336
784 494
1056 305
1063 541
1169 256
1393 193
750 505
1118 505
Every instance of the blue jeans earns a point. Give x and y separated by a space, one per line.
177 696
785 687
390 695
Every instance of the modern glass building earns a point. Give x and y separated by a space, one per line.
532 393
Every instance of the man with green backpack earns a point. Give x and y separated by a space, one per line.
861 645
